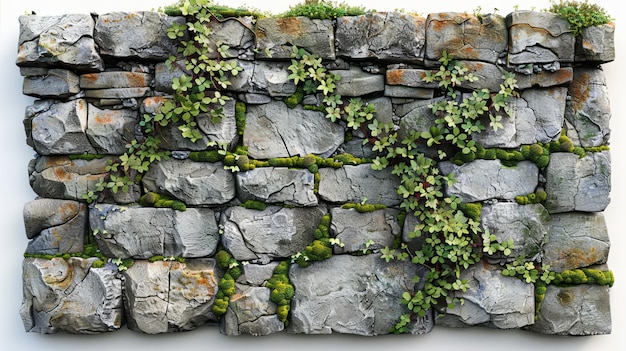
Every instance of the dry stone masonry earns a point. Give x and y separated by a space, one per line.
155 270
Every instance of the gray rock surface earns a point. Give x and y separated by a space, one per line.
274 130
355 183
545 79
466 36
236 33
596 44
352 295
223 131
381 35
355 229
117 93
578 184
62 178
276 232
194 183
588 112
250 311
53 83
55 226
115 79
539 37
487 179
142 232
43 213
275 37
109 131
271 78
576 240
357 82
277 185
135 34
70 296
65 40
169 296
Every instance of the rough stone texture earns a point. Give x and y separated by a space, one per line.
117 93
70 296
62 178
576 240
142 232
383 36
277 185
276 232
65 40
52 83
115 79
588 112
395 91
109 131
274 130
526 225
194 183
169 296
236 33
60 129
225 130
355 183
355 229
545 79
352 295
409 77
250 311
578 184
135 34
55 226
466 36
575 310
357 82
596 44
539 37
487 179
270 78
484 301
275 37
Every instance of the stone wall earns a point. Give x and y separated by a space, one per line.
96 75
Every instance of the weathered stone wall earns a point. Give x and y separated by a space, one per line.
96 75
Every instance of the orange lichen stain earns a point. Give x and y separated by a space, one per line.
136 80
579 91
579 258
563 76
92 77
104 119
68 210
291 25
60 277
395 76
130 16
61 174
437 25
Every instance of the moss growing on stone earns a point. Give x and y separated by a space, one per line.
537 197
472 210
206 156
363 207
296 98
240 117
584 276
254 205
152 199
281 290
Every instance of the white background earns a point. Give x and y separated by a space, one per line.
15 191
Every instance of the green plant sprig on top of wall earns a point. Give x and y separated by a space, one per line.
580 14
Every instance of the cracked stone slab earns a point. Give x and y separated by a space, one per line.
588 112
492 300
136 34
109 131
194 183
270 78
115 79
353 295
274 130
355 229
576 240
223 131
277 185
355 183
481 180
51 83
251 312
55 226
61 178
596 44
276 232
466 36
539 37
544 79
169 296
65 41
70 296
357 82
382 36
276 36
236 33
578 184
143 232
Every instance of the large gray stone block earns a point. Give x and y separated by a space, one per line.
275 37
109 131
115 79
55 226
277 185
251 312
355 229
357 82
596 44
52 83
539 37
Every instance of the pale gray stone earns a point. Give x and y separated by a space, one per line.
396 91
257 274
250 311
382 36
274 130
357 82
356 148
596 44
164 76
54 83
271 78
409 77
576 240
55 226
117 93
143 232
588 112
544 79
494 300
356 183
355 229
276 232
353 295
169 296
194 183
255 99
65 40
115 79
526 225
136 34
70 296
62 178
277 185
275 37
223 131
43 213
578 184
548 106
575 310
539 37
61 129
237 33
109 131
487 179
466 36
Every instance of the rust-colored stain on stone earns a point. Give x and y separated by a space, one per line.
579 91
104 119
579 258
91 77
61 174
68 210
395 77
291 25
565 297
137 79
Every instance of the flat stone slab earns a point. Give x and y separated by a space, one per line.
539 37
115 79
55 226
377 228
52 83
596 44
277 185
275 37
